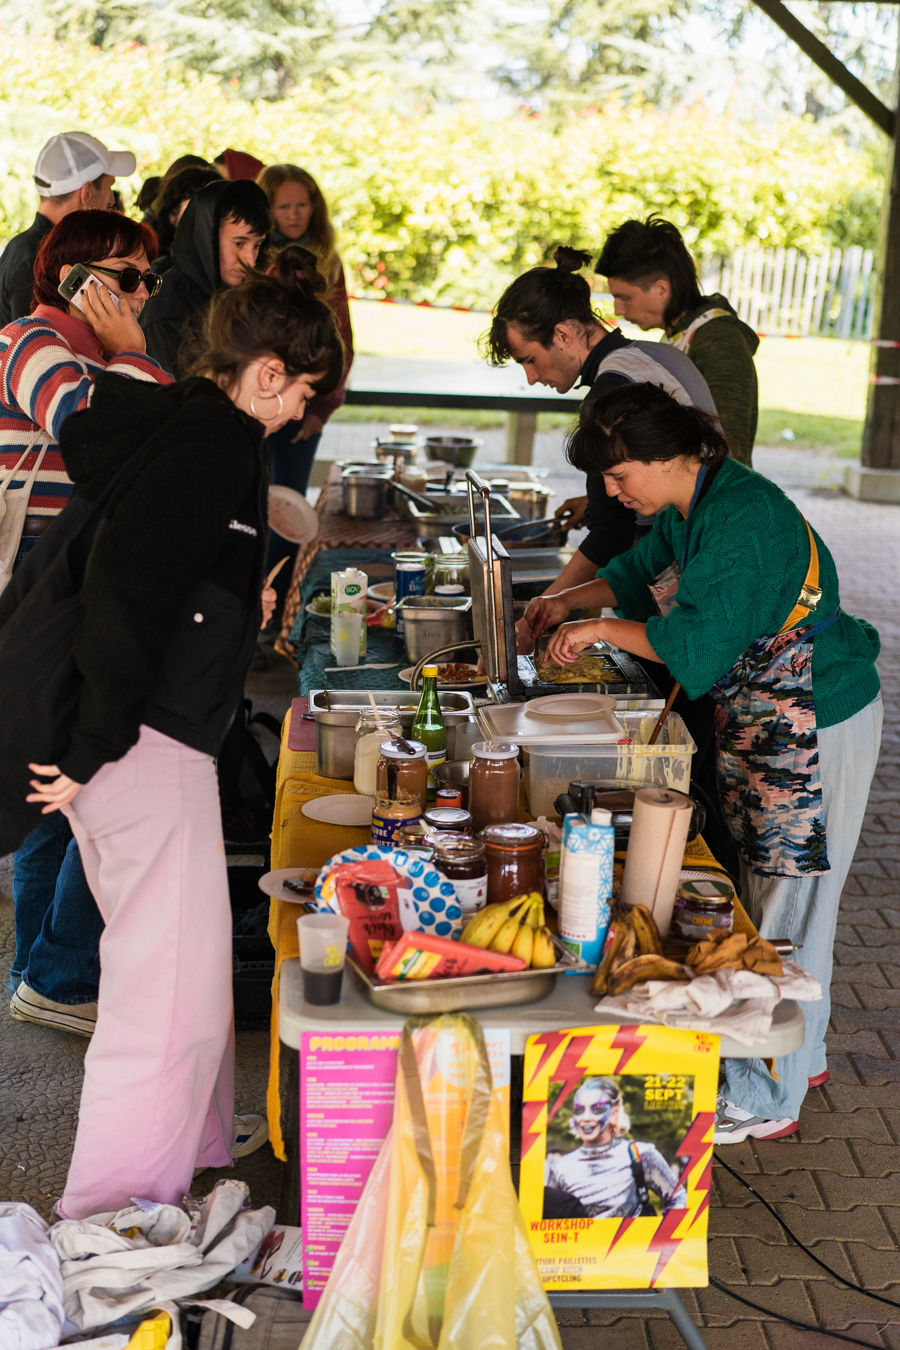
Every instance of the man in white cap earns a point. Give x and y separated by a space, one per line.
74 172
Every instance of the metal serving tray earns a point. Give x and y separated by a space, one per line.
457 512
469 991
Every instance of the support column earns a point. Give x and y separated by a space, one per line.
877 479
520 429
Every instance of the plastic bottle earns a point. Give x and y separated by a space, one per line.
585 882
428 727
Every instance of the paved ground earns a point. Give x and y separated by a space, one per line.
837 1183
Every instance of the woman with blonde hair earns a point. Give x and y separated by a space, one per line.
300 216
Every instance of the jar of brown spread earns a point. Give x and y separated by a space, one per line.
402 771
703 908
515 860
462 862
494 784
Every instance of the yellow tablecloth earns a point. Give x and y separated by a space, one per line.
298 841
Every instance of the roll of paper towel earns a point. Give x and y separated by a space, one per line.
659 831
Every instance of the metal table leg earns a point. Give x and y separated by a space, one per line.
646 1300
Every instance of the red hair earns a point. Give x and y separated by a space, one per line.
86 237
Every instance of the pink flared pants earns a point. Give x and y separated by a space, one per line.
158 1094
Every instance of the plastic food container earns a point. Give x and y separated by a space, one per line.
550 768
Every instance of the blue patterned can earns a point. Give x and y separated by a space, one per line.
409 579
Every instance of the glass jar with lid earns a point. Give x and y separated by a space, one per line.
402 770
372 730
462 862
494 784
515 860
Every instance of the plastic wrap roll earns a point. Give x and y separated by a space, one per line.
655 855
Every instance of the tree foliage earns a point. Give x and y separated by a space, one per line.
446 205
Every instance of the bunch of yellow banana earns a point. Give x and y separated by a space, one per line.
634 954
515 926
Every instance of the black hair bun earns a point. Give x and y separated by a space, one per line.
295 264
571 259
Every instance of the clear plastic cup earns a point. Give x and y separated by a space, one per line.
323 950
347 631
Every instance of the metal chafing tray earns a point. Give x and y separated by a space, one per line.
469 991
450 509
510 676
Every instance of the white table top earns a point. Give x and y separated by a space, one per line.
570 1005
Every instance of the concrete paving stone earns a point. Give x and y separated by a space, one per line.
741 1157
828 1154
863 1223
743 1336
872 1269
844 996
611 1317
724 1262
890 1036
876 1071
836 1306
841 1069
865 959
569 1317
843 1097
886 1020
890 1333
870 996
856 1043
623 1334
849 1192
891 1117
871 935
782 1337
789 1297
763 1264
752 1220
875 1160
867 867
795 1187
891 917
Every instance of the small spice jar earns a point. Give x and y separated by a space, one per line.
415 836
371 732
453 820
462 862
448 797
402 771
515 860
494 784
392 814
702 909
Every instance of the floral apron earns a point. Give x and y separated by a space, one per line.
766 736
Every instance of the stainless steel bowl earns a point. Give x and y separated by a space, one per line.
457 450
454 773
532 503
365 495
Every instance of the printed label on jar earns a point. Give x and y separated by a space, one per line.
471 894
385 827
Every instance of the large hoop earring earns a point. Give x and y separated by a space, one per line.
274 394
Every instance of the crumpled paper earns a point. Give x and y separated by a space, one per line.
116 1264
736 1003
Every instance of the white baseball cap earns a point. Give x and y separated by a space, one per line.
74 158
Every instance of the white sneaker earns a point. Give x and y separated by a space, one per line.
27 1005
249 1134
733 1124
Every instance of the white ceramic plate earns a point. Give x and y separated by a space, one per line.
273 883
581 707
291 516
344 808
384 592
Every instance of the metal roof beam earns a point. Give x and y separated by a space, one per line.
819 54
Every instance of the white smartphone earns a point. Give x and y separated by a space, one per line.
75 282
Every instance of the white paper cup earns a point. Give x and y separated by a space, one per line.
323 951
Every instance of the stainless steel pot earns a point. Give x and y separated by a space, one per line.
336 725
365 495
532 503
433 621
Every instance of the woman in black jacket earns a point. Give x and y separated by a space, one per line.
172 609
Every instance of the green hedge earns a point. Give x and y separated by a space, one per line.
448 206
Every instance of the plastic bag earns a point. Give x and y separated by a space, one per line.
437 1256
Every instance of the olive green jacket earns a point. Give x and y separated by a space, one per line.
722 349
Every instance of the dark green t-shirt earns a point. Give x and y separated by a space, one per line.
747 559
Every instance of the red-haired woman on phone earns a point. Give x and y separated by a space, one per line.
49 361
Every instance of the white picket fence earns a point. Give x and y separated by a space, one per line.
779 290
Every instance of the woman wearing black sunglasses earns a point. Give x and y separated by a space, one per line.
49 361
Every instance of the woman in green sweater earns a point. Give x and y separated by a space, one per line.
736 594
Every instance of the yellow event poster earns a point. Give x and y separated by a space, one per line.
617 1126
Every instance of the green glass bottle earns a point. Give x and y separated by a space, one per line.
428 726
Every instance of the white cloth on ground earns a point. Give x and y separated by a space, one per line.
31 1286
736 1003
121 1263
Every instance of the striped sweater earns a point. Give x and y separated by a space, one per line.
48 363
